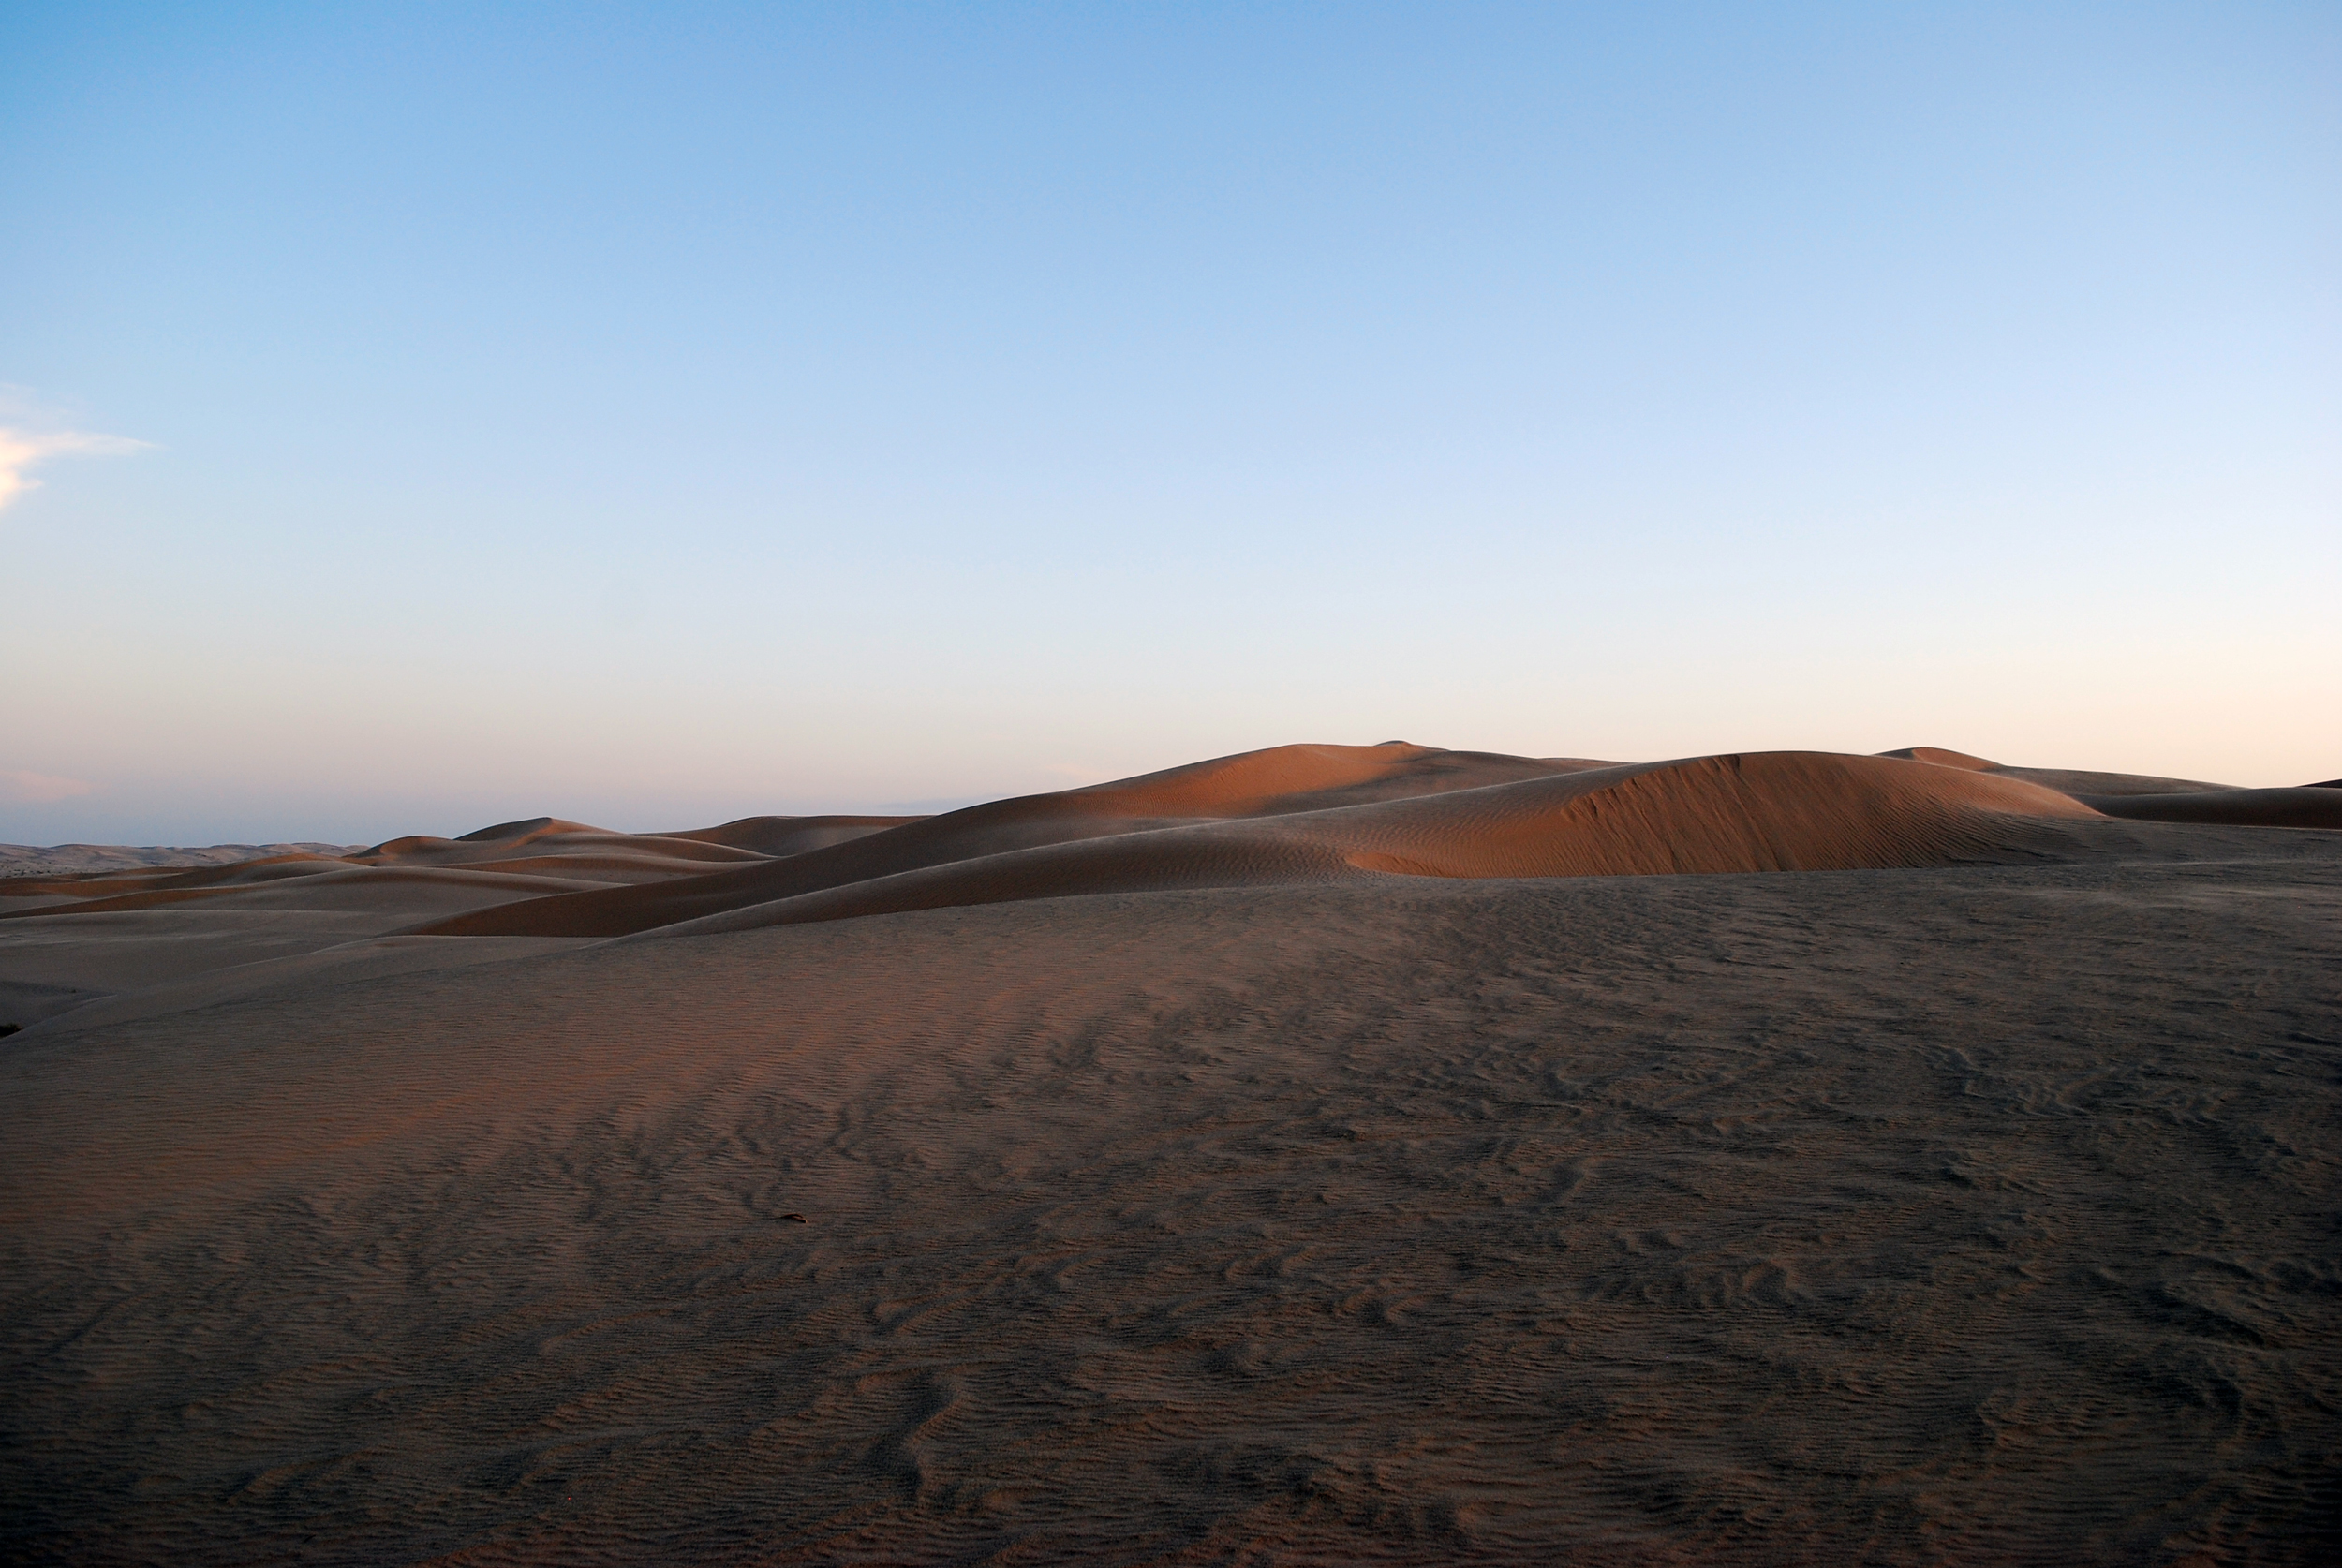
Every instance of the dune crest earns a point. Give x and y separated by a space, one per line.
778 836
1289 778
1942 758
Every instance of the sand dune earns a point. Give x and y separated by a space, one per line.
1771 812
775 836
1288 815
544 837
2164 799
2072 781
52 860
1283 779
1330 1154
512 860
1320 813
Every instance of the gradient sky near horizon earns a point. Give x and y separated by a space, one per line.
428 415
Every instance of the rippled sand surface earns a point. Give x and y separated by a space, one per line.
1950 1214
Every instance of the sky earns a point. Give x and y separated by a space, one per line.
418 417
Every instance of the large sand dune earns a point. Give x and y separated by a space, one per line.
1326 1154
1322 813
1778 812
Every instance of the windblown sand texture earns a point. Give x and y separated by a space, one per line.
1320 1155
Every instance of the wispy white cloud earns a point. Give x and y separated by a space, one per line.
27 440
39 789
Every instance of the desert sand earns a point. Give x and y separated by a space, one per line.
1319 1155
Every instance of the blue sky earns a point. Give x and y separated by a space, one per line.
658 414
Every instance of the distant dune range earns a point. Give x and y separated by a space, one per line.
1326 1154
178 936
1291 814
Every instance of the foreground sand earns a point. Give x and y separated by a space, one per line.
1981 1207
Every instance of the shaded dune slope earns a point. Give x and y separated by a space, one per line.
2309 806
1329 813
